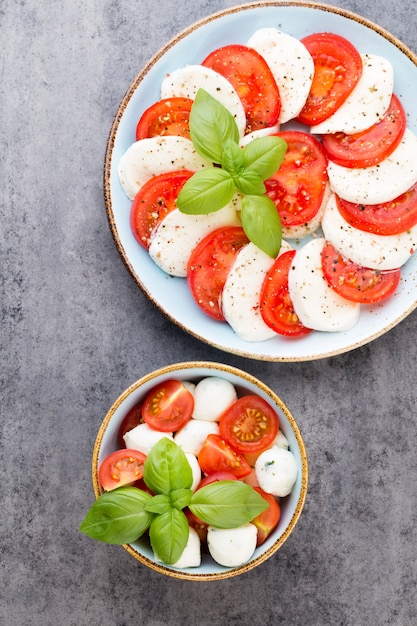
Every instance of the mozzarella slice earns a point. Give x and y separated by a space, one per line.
212 396
186 81
178 234
378 183
192 436
291 65
157 155
232 547
381 252
367 103
316 304
142 438
276 471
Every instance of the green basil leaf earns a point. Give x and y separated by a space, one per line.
262 224
264 155
227 504
166 468
168 534
232 158
180 498
250 183
206 191
211 125
160 503
118 516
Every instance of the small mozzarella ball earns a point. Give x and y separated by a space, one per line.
189 385
276 470
212 396
142 438
281 441
192 436
196 470
191 556
232 547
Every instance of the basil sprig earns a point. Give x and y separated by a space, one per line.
124 514
215 136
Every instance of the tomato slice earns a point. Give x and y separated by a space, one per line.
370 146
169 116
276 306
253 81
356 283
133 418
168 406
298 186
217 456
250 424
337 70
122 467
387 218
209 266
268 520
214 478
154 200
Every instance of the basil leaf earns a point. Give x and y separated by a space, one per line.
232 158
211 125
118 516
160 503
227 504
168 534
262 224
180 498
264 155
166 468
249 182
206 191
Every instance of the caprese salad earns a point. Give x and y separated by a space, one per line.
345 191
200 468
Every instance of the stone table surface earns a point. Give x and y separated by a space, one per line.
76 331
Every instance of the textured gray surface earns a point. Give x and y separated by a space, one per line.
75 331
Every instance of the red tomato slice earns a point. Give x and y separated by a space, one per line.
337 69
217 456
209 266
154 200
268 520
388 218
253 80
214 478
356 283
298 186
133 418
198 525
250 424
168 406
276 306
371 146
123 467
169 116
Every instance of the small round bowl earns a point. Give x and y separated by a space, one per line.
291 506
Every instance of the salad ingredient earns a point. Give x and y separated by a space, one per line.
337 70
191 555
316 304
195 469
232 548
168 406
212 396
267 521
132 418
217 456
143 438
250 424
276 471
191 437
354 282
120 468
165 117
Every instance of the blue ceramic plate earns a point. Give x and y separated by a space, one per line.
236 25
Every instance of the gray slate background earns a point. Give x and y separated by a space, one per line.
75 331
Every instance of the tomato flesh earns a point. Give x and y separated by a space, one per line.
168 406
132 419
337 70
298 186
276 306
267 521
209 266
120 468
253 81
154 200
356 283
169 116
250 424
217 456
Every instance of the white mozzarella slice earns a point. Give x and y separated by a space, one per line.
367 103
142 438
232 547
276 471
186 81
316 304
192 436
212 396
156 155
261 132
178 234
378 183
298 232
381 252
291 65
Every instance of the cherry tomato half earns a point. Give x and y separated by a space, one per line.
268 520
276 306
253 81
169 116
122 467
133 418
250 424
168 406
217 456
356 283
337 70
